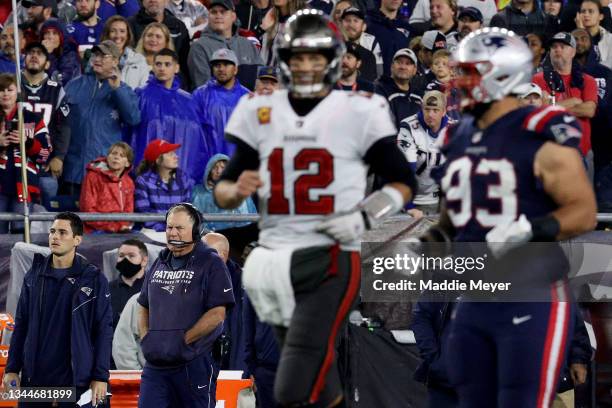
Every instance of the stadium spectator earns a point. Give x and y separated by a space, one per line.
250 13
536 45
590 18
586 57
403 100
339 7
422 15
134 68
267 81
351 79
469 20
443 15
191 12
204 201
64 63
155 37
533 96
154 11
160 183
552 7
354 27
181 316
38 12
87 28
37 151
232 327
167 110
220 34
390 31
42 95
132 259
67 325
443 75
217 99
100 105
7 49
273 23
568 86
123 8
417 138
524 17
431 41
108 188
170 112
127 352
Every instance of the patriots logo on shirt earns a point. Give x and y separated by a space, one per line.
169 288
71 280
86 290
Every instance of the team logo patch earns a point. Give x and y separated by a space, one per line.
563 132
263 115
71 280
169 288
86 290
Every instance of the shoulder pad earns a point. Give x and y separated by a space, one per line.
554 123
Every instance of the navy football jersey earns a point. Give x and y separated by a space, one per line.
86 37
488 177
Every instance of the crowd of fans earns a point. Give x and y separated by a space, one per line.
127 100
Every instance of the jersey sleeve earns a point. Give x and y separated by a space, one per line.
555 124
380 123
406 142
241 124
218 290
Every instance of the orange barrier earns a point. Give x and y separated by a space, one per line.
228 390
125 387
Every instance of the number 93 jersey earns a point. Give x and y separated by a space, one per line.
488 177
311 166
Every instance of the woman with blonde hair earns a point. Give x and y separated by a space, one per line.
272 23
155 38
134 68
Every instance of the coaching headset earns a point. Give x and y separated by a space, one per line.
198 228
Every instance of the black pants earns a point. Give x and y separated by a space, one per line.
326 284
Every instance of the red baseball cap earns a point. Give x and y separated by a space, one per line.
158 147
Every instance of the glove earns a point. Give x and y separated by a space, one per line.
507 236
344 227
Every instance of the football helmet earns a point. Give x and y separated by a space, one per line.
491 63
309 30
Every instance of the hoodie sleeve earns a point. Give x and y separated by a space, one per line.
103 331
128 8
126 341
89 194
199 65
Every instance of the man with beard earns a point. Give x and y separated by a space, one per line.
44 96
38 11
469 20
7 49
87 28
217 99
398 89
568 87
350 79
132 259
354 27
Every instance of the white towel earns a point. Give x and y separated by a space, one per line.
267 280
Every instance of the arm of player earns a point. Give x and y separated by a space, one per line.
554 165
206 324
240 179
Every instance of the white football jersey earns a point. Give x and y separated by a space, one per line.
311 166
421 148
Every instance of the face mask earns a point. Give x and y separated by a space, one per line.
127 269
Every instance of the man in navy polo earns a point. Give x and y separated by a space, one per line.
183 298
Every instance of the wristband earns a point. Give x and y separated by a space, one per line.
545 229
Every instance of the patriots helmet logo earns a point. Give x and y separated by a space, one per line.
495 41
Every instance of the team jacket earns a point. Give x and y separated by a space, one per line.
92 326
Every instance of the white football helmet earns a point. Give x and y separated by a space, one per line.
491 63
